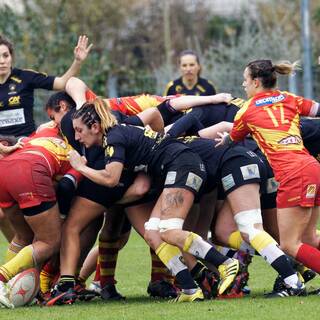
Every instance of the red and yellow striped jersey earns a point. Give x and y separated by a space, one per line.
273 119
135 104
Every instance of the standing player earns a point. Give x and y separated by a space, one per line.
273 118
190 82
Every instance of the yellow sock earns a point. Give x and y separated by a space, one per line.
189 240
12 250
166 252
46 280
262 240
22 261
235 240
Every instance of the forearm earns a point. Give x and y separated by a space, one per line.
76 89
186 102
102 177
212 131
184 124
60 82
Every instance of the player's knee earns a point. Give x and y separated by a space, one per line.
248 223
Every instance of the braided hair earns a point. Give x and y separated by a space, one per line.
96 111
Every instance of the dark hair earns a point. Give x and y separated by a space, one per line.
54 101
188 52
267 72
7 43
87 114
96 111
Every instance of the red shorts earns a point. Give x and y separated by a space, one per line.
300 188
25 179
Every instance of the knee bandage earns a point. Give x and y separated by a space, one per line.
152 224
171 224
246 221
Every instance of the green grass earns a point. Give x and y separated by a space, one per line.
133 276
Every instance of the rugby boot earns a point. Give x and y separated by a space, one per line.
184 297
162 289
84 294
237 289
208 281
59 297
228 272
109 292
95 286
299 290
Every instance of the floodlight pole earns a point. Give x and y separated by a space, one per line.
306 49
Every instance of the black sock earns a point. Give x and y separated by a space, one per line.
215 257
185 280
66 282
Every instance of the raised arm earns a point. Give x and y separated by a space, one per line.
80 54
76 89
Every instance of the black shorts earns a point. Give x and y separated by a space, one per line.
103 195
240 171
186 171
269 188
169 115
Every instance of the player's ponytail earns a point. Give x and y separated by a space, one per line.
266 71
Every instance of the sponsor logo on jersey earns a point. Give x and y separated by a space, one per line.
12 89
290 140
109 151
311 191
194 181
14 101
251 171
228 182
11 117
171 177
178 88
269 100
272 185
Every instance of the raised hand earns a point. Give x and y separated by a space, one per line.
82 49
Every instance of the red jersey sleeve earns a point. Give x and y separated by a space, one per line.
305 107
90 95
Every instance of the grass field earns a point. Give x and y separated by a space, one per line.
133 276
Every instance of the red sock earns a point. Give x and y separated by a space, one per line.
97 274
108 255
2 278
309 256
158 269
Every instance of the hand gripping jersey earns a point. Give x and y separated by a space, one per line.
273 119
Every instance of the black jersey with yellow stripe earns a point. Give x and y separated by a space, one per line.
17 99
203 87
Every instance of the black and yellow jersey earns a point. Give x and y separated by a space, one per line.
203 87
17 99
